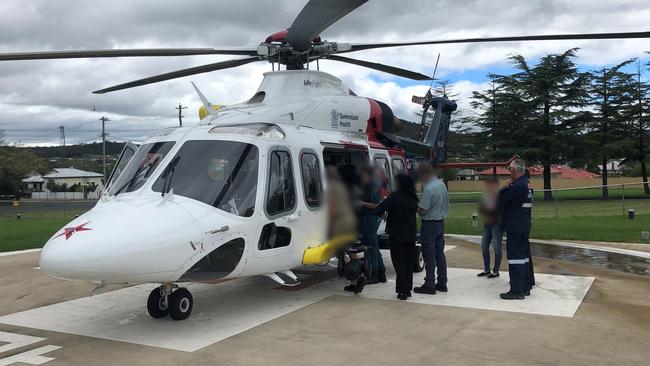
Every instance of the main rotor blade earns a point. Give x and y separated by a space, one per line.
180 73
381 67
136 52
544 37
315 17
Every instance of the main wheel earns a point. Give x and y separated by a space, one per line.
418 265
156 304
180 304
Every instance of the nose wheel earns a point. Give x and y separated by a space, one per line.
165 300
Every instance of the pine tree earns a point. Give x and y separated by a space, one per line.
639 117
610 97
554 92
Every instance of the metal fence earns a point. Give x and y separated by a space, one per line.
621 199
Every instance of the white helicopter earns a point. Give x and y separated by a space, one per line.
241 194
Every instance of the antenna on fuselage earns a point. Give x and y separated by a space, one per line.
204 100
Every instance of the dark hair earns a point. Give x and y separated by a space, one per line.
405 185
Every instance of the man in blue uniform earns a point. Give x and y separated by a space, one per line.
515 202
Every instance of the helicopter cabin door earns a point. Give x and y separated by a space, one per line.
289 215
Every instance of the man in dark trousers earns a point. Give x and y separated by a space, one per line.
515 202
433 208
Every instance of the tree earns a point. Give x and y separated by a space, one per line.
503 115
553 93
639 116
610 95
16 164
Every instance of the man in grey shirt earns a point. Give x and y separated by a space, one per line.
433 208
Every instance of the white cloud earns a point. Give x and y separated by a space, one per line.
46 94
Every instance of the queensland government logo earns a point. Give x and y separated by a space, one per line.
342 119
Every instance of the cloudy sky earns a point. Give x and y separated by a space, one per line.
36 97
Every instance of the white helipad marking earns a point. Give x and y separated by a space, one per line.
221 311
32 357
553 295
14 341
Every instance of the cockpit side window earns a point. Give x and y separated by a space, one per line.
281 193
140 167
219 173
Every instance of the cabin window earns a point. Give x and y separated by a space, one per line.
311 179
398 166
274 237
281 193
222 174
383 171
140 167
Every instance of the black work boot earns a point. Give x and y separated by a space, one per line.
425 290
512 296
361 283
441 288
350 288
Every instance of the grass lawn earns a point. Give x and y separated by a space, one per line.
596 228
576 220
28 233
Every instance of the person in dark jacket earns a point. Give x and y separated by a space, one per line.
401 206
369 223
515 201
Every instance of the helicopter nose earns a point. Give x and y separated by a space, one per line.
118 242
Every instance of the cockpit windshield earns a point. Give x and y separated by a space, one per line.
222 174
140 167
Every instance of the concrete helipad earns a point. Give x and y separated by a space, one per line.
602 314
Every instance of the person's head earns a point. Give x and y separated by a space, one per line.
517 168
404 184
425 171
491 184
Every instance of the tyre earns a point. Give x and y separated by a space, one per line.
156 305
418 265
180 304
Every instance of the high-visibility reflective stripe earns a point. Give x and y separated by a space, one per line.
518 261
527 205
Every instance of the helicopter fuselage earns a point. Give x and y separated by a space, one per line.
241 194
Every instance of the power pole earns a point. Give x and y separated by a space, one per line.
104 120
62 135
180 114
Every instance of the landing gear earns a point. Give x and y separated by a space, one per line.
169 300
180 304
157 304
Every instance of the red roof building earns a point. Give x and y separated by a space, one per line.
557 171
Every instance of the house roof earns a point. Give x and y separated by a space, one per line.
564 171
37 178
60 173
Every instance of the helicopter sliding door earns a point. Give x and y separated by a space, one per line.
280 206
